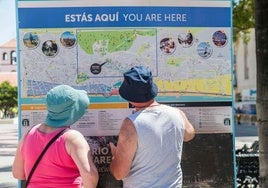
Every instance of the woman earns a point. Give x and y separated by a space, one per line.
67 162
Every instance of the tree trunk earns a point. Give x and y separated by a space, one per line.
261 34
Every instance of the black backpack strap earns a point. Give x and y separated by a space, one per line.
41 155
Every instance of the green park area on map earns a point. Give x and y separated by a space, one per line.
112 41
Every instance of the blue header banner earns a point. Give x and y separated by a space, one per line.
75 17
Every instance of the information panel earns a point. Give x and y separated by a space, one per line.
89 45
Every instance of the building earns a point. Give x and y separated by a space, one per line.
8 62
245 80
245 69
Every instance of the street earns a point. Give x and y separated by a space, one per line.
244 134
246 130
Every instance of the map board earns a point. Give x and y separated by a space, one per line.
89 45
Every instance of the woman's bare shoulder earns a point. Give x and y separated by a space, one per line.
74 136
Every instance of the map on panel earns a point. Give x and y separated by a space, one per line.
185 62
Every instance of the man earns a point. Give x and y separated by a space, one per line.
149 148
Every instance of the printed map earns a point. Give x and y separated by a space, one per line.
192 62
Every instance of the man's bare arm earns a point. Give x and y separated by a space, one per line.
124 152
189 132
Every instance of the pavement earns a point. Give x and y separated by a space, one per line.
8 145
244 134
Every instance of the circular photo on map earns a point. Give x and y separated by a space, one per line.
68 39
31 40
50 48
219 38
167 45
204 50
185 39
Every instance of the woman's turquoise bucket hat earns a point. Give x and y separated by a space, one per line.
65 105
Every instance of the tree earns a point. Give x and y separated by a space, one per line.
261 34
243 19
260 11
8 98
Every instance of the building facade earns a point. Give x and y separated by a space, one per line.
245 69
8 62
245 81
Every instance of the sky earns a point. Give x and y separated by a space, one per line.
7 20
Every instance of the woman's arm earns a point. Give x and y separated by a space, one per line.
18 163
79 150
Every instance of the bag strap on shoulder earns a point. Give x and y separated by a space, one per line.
41 155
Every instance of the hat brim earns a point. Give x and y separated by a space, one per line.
76 112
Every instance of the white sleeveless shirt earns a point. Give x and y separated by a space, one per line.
157 162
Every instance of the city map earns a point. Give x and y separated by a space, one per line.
190 62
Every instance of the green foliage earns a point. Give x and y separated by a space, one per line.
8 98
243 19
